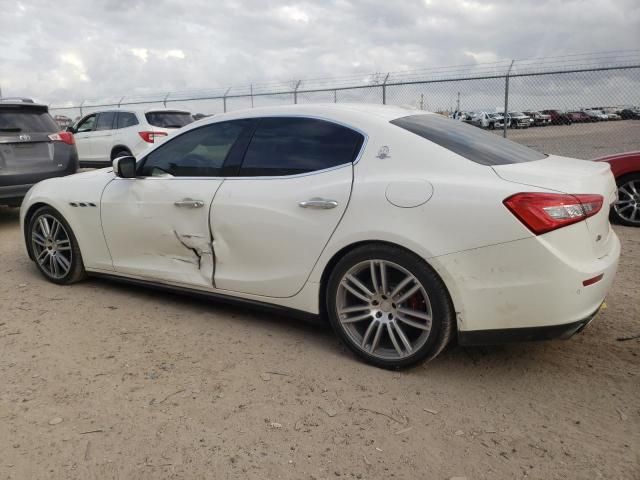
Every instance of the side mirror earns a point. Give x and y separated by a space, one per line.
70 129
125 167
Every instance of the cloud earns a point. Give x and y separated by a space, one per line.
108 48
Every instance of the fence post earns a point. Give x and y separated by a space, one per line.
384 90
120 101
506 101
164 101
335 96
295 92
251 95
81 103
224 100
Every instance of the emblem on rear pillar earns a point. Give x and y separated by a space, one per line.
383 152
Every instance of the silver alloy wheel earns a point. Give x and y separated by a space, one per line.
628 204
51 246
384 309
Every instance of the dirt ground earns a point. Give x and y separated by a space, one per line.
581 140
101 380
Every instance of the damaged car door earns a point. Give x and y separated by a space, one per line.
157 224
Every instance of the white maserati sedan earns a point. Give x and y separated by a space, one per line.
403 229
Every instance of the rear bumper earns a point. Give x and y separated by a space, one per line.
531 287
14 192
526 334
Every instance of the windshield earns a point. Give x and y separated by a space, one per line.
20 119
169 119
470 142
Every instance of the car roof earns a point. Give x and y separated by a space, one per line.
139 110
382 112
18 103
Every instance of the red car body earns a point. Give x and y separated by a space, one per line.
626 170
622 163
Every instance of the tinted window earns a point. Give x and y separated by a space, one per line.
126 119
87 124
14 120
169 119
470 142
287 146
197 153
105 121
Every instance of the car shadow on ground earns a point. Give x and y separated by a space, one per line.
9 215
318 334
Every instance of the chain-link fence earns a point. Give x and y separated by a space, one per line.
577 105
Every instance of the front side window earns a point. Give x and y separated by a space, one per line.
196 153
87 124
474 144
105 120
292 145
126 119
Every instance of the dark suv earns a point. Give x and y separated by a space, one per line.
32 148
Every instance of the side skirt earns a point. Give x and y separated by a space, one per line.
225 299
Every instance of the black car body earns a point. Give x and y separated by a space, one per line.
629 114
32 148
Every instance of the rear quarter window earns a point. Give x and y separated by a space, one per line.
467 141
16 120
168 119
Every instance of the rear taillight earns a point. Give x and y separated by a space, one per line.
64 137
149 137
544 212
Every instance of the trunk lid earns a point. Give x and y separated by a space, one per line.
22 153
572 176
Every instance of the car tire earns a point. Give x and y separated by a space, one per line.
386 329
626 211
121 153
54 247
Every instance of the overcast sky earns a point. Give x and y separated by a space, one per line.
71 50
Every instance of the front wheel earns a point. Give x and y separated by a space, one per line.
54 247
626 210
389 307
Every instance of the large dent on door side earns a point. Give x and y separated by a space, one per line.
200 254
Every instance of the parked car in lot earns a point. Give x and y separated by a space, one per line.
32 148
539 119
597 115
103 136
484 120
558 118
498 119
351 213
581 117
626 169
629 114
519 120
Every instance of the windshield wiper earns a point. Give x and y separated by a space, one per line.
11 129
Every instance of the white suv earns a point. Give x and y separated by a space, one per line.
102 136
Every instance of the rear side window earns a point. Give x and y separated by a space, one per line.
16 120
168 119
105 120
470 142
288 146
126 119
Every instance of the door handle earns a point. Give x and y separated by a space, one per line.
189 203
318 203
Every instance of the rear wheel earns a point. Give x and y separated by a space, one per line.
54 247
389 307
626 210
